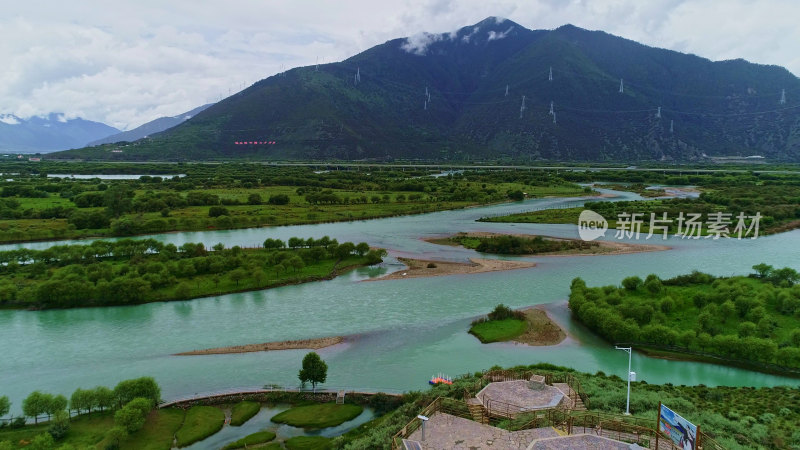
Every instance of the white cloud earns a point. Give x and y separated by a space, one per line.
9 119
474 31
129 61
418 44
493 36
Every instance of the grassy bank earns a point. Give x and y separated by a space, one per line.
200 423
498 330
320 415
251 440
532 327
243 411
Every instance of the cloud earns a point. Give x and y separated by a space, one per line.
418 44
9 119
493 36
474 31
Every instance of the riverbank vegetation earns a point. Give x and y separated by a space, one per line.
752 321
127 271
506 244
210 196
502 324
777 203
531 326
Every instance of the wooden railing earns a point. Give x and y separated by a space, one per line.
614 426
441 404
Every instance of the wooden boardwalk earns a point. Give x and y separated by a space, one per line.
233 392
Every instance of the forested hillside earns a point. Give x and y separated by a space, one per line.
485 92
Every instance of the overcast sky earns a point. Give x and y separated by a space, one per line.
126 62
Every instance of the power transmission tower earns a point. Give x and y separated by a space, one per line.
671 126
658 113
621 87
357 77
550 78
522 108
506 90
783 96
554 117
316 68
551 109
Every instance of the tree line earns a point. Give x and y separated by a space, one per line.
132 400
132 271
755 318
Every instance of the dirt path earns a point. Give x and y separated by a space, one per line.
309 344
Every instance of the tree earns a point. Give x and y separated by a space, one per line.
217 211
345 250
632 283
145 387
762 270
653 284
238 275
362 248
117 199
314 370
273 244
59 426
81 400
254 199
133 415
5 405
279 199
55 404
35 405
103 397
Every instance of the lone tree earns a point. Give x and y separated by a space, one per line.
5 405
314 370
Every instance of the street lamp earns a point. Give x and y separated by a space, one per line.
630 375
423 419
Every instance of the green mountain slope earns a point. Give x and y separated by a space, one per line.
373 105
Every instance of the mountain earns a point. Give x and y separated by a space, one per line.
152 127
47 134
374 104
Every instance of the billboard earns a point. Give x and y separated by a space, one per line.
682 432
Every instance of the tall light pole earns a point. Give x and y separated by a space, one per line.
630 354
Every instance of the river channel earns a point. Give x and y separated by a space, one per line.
403 330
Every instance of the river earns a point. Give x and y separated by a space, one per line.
406 330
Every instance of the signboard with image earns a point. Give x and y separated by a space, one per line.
682 432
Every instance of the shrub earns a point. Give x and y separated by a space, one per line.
503 312
216 211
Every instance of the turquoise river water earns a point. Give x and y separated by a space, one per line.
403 330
